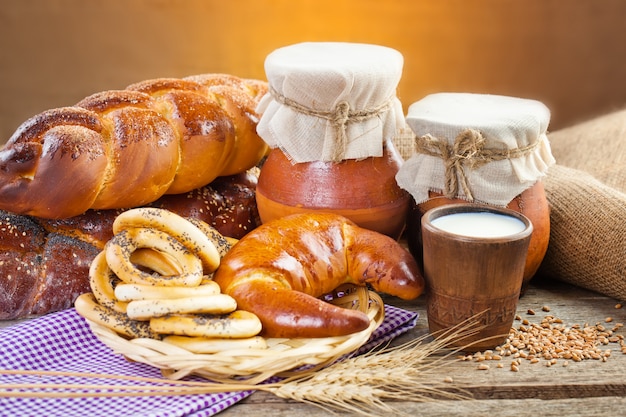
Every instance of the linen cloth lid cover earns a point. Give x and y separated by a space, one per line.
478 147
320 91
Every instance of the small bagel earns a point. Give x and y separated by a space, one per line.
210 304
101 279
159 262
120 248
174 225
130 292
87 306
221 242
212 345
236 325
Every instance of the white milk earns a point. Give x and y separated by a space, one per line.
479 224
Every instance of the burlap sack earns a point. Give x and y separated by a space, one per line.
586 191
597 147
587 232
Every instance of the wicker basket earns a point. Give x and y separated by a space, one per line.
283 357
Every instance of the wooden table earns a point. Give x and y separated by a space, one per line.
586 388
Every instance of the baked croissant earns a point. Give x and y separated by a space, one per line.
277 271
127 148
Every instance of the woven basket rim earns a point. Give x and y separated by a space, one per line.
252 366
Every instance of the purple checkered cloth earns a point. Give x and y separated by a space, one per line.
63 342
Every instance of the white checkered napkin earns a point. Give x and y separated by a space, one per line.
63 342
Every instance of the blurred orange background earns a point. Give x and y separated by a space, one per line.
569 54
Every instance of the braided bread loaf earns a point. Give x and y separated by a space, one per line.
44 263
127 148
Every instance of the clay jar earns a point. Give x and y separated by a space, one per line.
329 118
481 149
363 190
532 203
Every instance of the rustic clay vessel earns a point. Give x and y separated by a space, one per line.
532 203
474 277
365 190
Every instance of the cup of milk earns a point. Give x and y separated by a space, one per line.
473 259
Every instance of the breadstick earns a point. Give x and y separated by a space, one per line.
237 325
130 292
210 304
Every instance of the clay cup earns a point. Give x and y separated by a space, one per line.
474 259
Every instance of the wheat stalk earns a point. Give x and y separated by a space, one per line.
362 384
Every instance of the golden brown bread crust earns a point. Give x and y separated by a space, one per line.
68 140
278 269
44 263
127 148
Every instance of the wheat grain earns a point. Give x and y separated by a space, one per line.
551 340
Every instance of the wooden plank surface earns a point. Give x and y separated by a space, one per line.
590 387
588 407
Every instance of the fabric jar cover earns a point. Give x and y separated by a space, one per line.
331 101
477 147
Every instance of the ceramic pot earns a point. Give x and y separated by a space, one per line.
532 203
365 191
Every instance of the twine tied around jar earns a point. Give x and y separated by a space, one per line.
339 117
467 151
